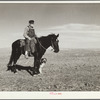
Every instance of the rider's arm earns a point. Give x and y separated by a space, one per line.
26 33
35 34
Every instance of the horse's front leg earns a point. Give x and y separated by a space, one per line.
33 69
36 66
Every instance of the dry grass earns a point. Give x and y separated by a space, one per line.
68 70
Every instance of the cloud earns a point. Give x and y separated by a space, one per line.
71 36
75 28
76 35
72 28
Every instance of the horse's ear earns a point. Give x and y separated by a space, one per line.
57 35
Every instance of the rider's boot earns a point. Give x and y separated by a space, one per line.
26 55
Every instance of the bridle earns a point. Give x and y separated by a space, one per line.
43 46
52 44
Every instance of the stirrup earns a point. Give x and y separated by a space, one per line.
26 56
30 54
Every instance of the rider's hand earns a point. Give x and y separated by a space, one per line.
35 37
29 38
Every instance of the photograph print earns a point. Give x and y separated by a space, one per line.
49 47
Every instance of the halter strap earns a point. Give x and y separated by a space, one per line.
52 44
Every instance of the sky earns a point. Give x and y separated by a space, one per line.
78 24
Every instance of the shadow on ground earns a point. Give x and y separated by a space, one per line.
29 69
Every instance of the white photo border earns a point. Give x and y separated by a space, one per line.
50 94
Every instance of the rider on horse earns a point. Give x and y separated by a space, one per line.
29 34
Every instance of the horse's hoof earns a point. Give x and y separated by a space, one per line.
15 71
37 73
8 69
8 65
32 74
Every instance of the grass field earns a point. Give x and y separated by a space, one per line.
68 70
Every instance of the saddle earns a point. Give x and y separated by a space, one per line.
22 42
32 45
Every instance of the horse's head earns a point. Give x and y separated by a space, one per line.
54 42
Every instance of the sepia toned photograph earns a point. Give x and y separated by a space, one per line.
50 47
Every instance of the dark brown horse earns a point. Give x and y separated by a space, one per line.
42 44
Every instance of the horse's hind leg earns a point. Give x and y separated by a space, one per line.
10 63
15 61
11 60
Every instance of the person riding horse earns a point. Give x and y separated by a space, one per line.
29 34
43 43
37 46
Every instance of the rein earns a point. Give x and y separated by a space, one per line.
41 44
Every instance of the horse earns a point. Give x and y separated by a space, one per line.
43 43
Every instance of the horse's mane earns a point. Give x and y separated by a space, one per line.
41 37
46 36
